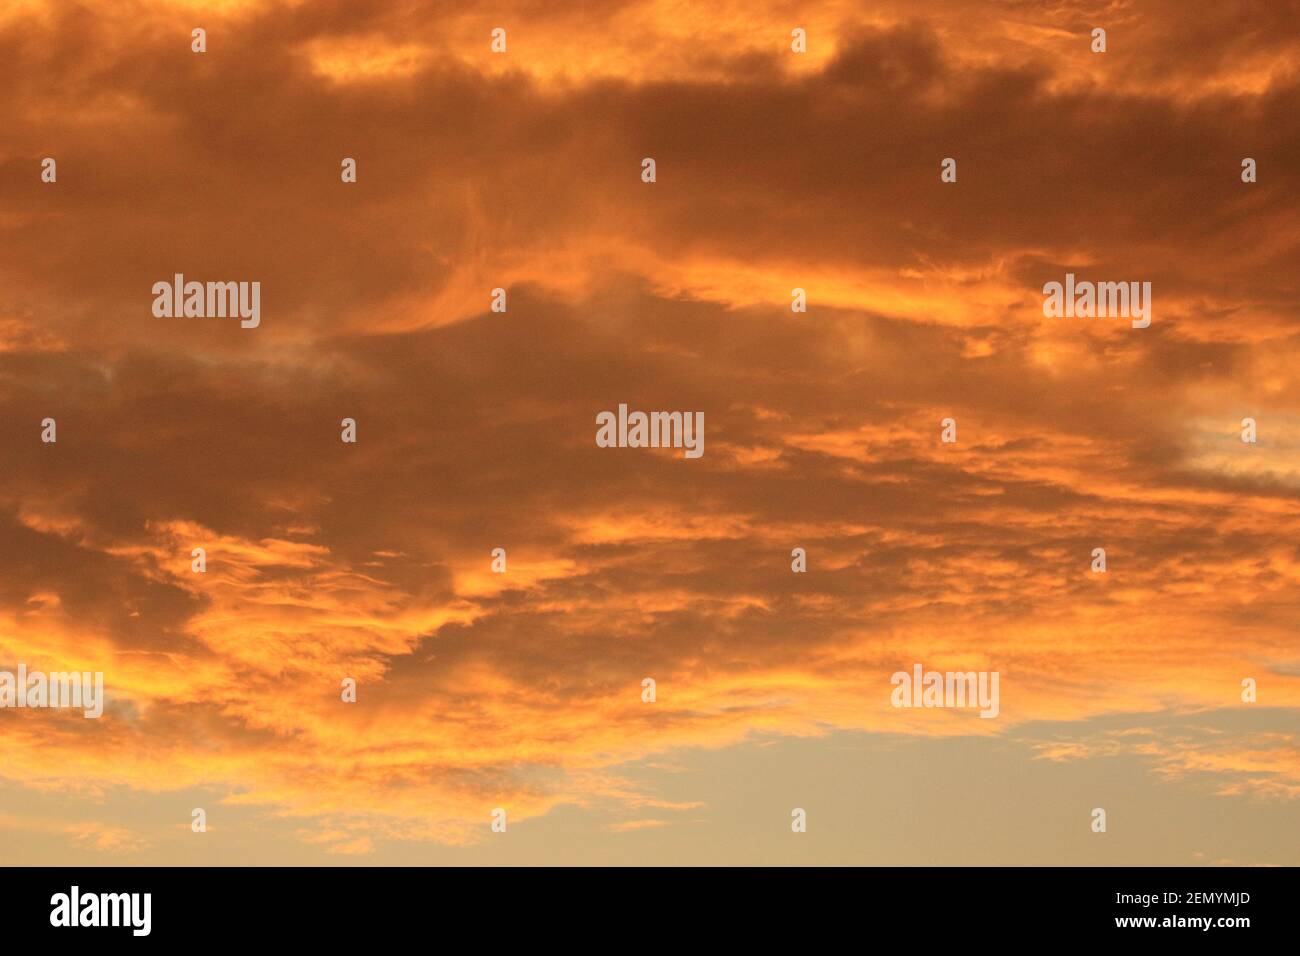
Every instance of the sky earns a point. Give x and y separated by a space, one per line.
478 690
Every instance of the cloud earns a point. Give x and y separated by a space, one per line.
476 429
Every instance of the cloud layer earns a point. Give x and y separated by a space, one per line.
476 429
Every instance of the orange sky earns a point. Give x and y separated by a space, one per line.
522 690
